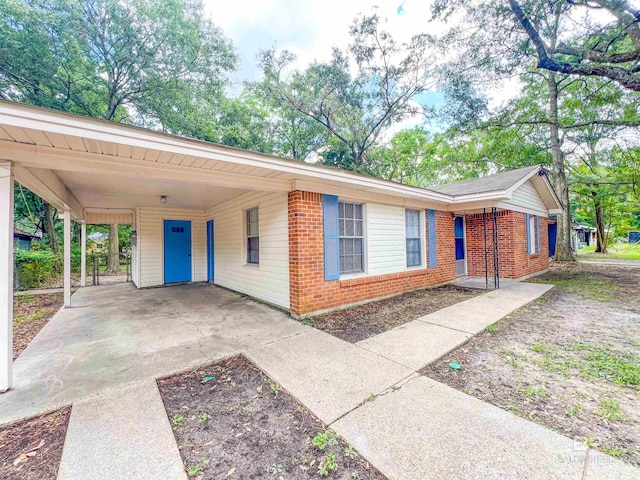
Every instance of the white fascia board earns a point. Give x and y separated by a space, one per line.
22 116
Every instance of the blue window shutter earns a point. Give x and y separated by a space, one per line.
528 233
331 237
431 229
537 233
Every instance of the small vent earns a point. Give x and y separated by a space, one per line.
177 229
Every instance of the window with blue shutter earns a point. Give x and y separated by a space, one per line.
331 237
431 229
529 233
538 234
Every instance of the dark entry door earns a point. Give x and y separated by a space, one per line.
177 251
461 264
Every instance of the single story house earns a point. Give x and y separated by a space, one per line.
303 237
22 240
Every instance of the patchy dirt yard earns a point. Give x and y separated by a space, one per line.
569 361
32 449
364 321
30 314
231 421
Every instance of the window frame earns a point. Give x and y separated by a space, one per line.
248 235
420 238
342 236
533 241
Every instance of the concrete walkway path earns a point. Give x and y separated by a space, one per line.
411 427
121 434
424 340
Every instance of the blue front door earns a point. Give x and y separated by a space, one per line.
461 268
210 264
177 251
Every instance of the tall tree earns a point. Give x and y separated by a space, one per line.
148 62
492 45
606 42
360 92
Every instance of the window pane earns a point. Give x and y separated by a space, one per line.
349 228
357 248
253 249
358 212
359 229
348 263
341 228
348 211
357 263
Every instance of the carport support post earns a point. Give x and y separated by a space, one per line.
6 275
83 255
66 216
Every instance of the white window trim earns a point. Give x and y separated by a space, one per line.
423 240
244 262
365 242
533 241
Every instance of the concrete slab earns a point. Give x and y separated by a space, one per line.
605 467
415 344
117 334
328 375
428 430
123 435
475 314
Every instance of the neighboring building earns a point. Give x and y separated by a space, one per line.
97 242
634 236
22 240
584 235
303 237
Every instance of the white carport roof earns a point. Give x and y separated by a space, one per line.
80 163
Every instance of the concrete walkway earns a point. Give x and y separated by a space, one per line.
418 428
124 434
424 340
104 355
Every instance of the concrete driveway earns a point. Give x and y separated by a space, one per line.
114 335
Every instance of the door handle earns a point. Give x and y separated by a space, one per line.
189 254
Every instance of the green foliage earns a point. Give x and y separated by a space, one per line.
353 105
35 267
324 439
609 409
327 465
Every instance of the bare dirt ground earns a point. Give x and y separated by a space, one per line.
30 314
569 361
231 420
32 449
364 321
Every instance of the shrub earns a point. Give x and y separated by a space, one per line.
33 268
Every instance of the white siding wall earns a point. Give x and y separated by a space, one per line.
270 280
385 239
526 198
151 243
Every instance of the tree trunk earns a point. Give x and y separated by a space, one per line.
601 231
49 226
563 239
114 251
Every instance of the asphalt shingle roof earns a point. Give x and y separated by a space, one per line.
490 183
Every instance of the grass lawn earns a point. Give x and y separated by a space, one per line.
620 251
231 420
363 321
30 314
569 361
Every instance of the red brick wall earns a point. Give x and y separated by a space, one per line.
514 260
311 293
